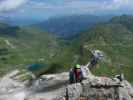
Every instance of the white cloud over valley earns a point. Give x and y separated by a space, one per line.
7 5
43 9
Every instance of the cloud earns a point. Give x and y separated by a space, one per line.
41 9
63 6
8 5
80 5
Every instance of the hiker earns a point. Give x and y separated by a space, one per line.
76 74
94 61
96 55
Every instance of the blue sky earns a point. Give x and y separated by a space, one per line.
43 9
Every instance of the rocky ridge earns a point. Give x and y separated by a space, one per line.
56 87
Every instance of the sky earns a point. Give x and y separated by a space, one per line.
39 10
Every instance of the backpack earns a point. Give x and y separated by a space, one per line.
73 78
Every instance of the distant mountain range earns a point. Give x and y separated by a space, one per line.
6 29
70 26
16 21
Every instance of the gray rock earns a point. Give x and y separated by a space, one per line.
74 91
56 87
100 88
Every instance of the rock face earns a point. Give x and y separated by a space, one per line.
87 91
10 88
56 87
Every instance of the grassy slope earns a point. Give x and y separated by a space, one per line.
29 46
115 38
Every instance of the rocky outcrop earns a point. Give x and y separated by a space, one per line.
89 90
12 89
99 88
95 90
56 87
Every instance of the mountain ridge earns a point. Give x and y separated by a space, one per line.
70 26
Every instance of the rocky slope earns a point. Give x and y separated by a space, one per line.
56 87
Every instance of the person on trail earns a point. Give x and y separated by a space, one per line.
96 55
94 61
76 74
